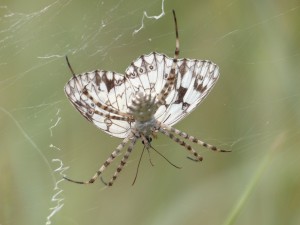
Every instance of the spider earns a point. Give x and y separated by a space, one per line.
155 93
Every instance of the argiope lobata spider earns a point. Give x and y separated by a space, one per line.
154 93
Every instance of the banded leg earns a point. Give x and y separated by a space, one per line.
113 117
91 110
172 76
113 155
101 106
192 138
85 92
182 143
123 161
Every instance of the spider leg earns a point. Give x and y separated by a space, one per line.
172 76
91 111
182 143
193 139
113 155
113 117
165 158
138 166
147 144
150 161
177 36
123 161
82 89
70 67
102 106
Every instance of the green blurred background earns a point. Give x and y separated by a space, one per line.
254 110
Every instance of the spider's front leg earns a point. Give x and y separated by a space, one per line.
172 75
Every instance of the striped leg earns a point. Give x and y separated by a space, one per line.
101 106
193 139
123 161
172 76
88 111
182 143
85 92
113 117
113 155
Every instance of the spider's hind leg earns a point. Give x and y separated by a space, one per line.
113 155
192 138
123 161
182 143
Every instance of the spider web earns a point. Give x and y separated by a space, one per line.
255 102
